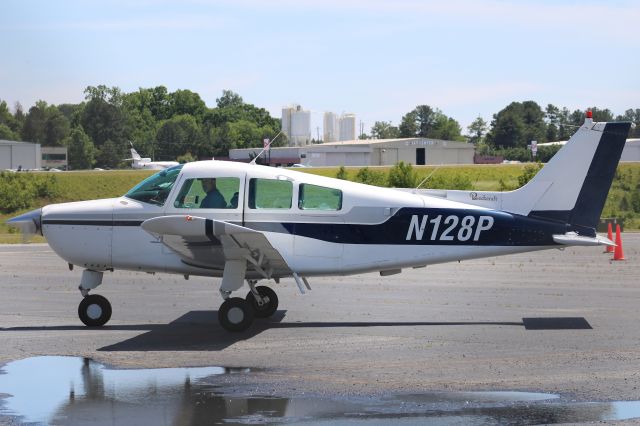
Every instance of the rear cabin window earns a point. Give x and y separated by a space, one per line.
209 193
270 194
313 197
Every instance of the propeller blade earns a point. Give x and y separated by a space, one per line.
29 223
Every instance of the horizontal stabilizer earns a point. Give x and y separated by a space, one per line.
573 239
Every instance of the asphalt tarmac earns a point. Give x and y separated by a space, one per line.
562 322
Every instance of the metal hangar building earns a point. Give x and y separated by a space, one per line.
368 152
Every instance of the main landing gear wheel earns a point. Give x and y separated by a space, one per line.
268 308
235 314
94 310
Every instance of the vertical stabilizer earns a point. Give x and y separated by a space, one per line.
579 176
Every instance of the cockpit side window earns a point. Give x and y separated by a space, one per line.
209 193
156 188
313 197
270 194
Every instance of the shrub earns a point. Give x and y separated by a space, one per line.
19 191
370 177
402 175
342 173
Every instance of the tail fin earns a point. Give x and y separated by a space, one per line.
134 155
578 177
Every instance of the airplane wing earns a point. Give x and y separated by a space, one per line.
209 244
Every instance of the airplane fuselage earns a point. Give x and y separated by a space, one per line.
375 229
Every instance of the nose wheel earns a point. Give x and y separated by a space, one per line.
94 310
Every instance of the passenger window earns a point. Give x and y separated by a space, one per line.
209 193
313 197
270 194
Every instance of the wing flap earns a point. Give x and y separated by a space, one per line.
209 243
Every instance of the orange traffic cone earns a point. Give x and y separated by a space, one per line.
618 254
609 249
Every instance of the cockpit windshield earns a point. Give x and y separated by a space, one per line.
156 188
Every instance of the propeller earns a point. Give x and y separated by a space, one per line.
29 223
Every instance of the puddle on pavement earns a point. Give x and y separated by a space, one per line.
79 391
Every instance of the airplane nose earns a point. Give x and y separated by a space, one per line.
29 223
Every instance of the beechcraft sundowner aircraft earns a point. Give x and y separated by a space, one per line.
245 223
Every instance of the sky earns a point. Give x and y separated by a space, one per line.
377 59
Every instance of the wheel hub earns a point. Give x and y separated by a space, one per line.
94 311
235 315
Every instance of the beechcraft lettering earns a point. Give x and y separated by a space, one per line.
450 228
247 223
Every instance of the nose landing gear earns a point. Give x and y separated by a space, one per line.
94 310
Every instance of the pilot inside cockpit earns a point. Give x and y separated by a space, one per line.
214 199
209 193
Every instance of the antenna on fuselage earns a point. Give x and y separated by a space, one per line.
266 147
428 176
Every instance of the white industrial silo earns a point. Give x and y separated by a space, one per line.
348 127
296 123
331 127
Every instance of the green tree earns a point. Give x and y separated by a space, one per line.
81 151
110 154
103 118
342 173
57 127
9 120
186 158
35 124
477 130
507 130
384 130
517 125
229 99
408 125
177 136
427 122
632 115
402 175
6 133
183 102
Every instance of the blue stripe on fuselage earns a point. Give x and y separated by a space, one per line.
425 226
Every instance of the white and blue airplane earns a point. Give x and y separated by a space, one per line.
245 223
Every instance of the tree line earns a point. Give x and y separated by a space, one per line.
160 124
178 125
509 133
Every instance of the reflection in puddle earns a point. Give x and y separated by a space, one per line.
76 391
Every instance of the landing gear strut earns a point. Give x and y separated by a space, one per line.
267 306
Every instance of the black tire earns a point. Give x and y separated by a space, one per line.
94 310
268 308
235 314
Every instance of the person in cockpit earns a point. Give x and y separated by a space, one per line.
213 199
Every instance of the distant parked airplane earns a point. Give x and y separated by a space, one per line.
138 162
